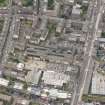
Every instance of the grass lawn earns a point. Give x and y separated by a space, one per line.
1 24
103 34
3 3
27 3
90 98
51 4
26 22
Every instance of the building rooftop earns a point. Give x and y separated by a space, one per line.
33 76
55 93
71 1
76 9
33 90
54 78
88 104
98 84
20 101
5 97
102 40
1 102
4 82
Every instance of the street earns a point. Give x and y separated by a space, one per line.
88 61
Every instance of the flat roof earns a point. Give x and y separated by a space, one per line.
1 102
76 9
4 82
98 84
101 40
5 97
33 76
54 78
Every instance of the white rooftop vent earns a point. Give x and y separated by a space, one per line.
27 37
4 82
20 66
15 36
